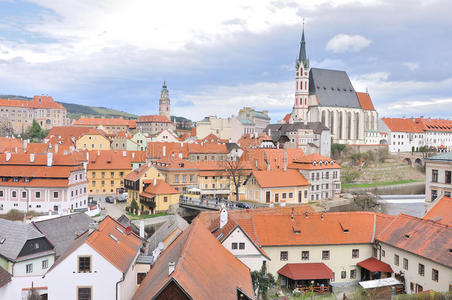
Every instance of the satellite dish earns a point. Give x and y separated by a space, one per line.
161 246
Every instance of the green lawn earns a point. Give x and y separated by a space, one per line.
374 184
137 217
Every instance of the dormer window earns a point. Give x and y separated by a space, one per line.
314 163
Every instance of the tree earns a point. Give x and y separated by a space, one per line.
236 171
134 206
35 132
5 128
262 281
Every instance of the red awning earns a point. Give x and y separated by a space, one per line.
306 271
374 265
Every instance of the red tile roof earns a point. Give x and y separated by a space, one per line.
153 118
286 118
10 144
38 148
161 188
203 269
307 163
248 141
374 265
43 102
441 211
137 173
279 178
63 132
260 159
435 124
365 101
158 150
421 237
306 271
402 125
207 148
104 122
120 253
109 160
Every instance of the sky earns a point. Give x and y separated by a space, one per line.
218 56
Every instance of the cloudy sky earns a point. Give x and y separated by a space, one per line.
218 56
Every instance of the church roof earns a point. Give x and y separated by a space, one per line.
332 88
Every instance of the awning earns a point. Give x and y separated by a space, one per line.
306 271
374 265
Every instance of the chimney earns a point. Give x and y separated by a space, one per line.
56 148
133 155
25 144
171 267
292 214
306 214
223 217
8 156
164 151
15 149
87 156
285 159
142 229
124 153
49 159
321 216
155 181
32 157
92 226
98 152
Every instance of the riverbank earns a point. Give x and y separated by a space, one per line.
400 187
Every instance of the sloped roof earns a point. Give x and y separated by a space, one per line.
63 132
402 125
104 122
260 159
160 150
306 271
307 163
62 231
203 269
441 211
447 156
161 188
365 101
374 265
435 124
279 178
153 118
5 277
16 234
109 160
43 102
37 148
334 228
10 144
207 148
137 173
173 227
332 88
421 237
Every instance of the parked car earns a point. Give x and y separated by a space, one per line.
109 199
120 199
242 205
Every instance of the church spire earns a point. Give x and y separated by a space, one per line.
302 56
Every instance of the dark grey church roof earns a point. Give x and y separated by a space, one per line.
333 88
277 130
62 231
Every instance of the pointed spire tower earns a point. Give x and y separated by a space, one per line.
300 108
164 104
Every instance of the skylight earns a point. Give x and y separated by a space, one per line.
120 230
113 237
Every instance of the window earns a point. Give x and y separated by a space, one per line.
434 194
45 263
352 274
112 182
396 259
405 264
355 253
24 194
103 174
448 177
434 175
112 174
326 254
29 268
55 194
38 195
14 194
284 195
84 264
290 195
343 274
304 255
241 246
234 246
374 252
176 178
84 293
1 193
383 253
435 275
284 255
140 278
421 269
165 199
93 174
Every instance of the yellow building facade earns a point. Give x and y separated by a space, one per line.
134 181
93 140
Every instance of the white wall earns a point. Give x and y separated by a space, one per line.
250 256
64 279
19 268
412 275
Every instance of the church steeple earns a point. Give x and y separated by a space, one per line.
164 103
302 56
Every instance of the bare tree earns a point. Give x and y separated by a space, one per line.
5 128
237 172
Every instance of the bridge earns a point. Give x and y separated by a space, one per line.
411 159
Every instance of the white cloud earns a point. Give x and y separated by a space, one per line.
347 43
277 97
412 66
